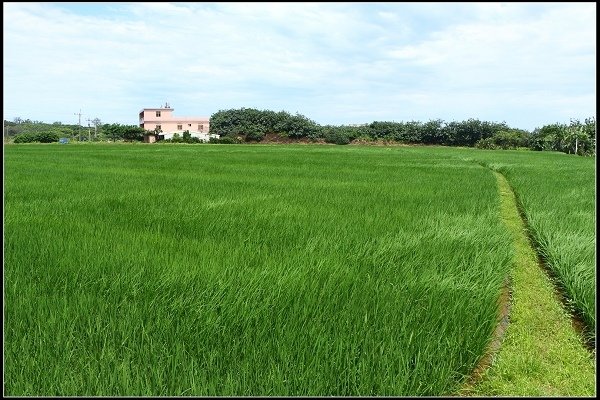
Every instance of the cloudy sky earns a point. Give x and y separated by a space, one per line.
528 64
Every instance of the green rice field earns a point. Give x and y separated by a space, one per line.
256 270
557 194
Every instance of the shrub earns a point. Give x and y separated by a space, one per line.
134 134
253 133
46 137
364 139
337 137
508 139
505 139
487 144
225 140
176 138
24 138
254 124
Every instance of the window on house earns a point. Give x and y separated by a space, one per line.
158 127
179 127
200 127
158 113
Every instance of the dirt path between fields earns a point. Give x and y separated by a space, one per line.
535 350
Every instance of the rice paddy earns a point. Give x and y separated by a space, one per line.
539 353
248 270
556 193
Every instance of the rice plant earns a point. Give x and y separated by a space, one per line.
557 194
247 270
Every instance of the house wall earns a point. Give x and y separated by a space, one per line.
171 124
202 136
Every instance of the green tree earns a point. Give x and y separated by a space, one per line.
254 124
578 139
337 136
46 137
432 132
24 138
253 132
176 138
549 137
467 133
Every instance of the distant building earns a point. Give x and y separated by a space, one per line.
163 118
149 138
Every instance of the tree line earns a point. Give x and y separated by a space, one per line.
27 131
249 124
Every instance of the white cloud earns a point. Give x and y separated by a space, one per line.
335 62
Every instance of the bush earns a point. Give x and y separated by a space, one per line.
337 137
253 133
364 139
487 144
46 137
254 124
225 140
43 137
24 138
510 139
176 138
505 139
133 133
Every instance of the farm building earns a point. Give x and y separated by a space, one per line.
163 119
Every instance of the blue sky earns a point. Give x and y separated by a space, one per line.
528 64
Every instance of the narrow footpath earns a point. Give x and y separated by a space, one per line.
540 353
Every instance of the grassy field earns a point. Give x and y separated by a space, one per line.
247 270
557 195
540 354
273 270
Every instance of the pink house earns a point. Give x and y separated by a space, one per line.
163 118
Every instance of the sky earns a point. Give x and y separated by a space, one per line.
526 64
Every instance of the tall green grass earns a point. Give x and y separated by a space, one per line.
246 270
557 193
541 353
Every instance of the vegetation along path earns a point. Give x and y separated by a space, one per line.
541 353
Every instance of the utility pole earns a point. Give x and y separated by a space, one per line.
96 121
578 130
79 122
89 130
